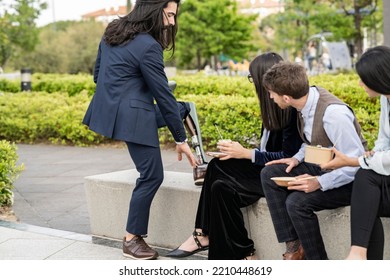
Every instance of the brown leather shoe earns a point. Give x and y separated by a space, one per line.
297 255
137 249
199 174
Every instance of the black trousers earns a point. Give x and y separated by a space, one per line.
293 212
229 185
370 201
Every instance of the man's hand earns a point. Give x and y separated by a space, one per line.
304 183
291 162
184 148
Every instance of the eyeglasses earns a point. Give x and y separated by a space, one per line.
250 79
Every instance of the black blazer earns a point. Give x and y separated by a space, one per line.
129 78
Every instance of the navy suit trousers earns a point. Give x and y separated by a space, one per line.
149 164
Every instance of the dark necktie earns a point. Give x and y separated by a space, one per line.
301 126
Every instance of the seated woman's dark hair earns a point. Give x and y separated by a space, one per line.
373 69
273 117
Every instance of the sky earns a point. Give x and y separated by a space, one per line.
72 9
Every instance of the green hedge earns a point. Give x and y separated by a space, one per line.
51 83
31 117
9 171
51 115
82 83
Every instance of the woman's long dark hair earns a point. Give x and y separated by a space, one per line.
272 116
146 17
373 69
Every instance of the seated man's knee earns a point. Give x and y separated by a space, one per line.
271 171
295 203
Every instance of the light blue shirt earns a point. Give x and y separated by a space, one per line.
338 125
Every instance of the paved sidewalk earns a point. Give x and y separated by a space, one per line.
50 191
51 206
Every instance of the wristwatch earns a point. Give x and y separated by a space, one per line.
179 143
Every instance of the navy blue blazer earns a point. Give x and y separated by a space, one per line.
129 78
283 143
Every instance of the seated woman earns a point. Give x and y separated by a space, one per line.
233 181
371 189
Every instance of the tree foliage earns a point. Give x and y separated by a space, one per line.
70 47
358 11
303 18
300 20
209 28
18 31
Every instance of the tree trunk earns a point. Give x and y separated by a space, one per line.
128 6
358 28
386 22
199 60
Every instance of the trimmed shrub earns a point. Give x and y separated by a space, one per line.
55 115
9 171
31 117
51 83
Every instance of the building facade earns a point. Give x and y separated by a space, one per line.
262 8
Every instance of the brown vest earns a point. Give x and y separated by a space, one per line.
318 135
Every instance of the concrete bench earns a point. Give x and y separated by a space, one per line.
173 214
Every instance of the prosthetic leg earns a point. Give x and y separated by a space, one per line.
191 124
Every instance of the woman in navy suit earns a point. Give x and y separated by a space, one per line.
129 76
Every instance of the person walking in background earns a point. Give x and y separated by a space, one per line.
129 76
323 120
311 55
233 181
371 188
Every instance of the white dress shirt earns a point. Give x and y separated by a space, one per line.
380 160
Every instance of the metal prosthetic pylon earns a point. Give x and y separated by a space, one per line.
192 125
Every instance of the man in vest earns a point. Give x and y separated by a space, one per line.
324 120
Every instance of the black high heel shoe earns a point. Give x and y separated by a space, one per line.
251 254
177 253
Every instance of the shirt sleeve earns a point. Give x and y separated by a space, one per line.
300 155
379 162
382 143
339 127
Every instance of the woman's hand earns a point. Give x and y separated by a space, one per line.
340 160
233 149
